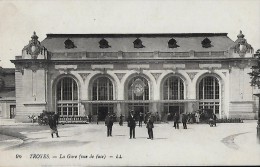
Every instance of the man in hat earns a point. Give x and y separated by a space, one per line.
131 124
53 121
121 120
109 123
150 127
184 120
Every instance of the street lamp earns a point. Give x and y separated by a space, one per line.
255 76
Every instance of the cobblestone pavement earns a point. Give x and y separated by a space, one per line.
88 145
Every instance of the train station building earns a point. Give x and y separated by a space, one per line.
81 74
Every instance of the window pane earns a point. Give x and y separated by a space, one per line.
102 89
66 90
173 89
209 91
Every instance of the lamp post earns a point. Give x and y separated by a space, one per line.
255 76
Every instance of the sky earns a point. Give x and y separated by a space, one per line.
19 19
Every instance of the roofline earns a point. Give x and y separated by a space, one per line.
135 35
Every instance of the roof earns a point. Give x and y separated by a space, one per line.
10 93
7 76
124 42
7 70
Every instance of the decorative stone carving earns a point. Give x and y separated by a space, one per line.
241 46
84 76
120 75
138 87
139 70
156 75
103 70
211 69
192 75
34 48
19 68
241 64
32 65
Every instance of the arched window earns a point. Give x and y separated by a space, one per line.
67 97
138 89
173 89
209 94
102 89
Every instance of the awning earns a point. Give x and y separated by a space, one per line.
138 101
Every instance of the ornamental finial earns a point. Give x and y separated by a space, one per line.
240 35
34 36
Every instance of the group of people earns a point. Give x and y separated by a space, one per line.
131 122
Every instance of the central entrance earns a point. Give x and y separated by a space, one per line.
101 110
171 108
138 108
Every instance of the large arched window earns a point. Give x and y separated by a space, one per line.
209 94
138 89
173 89
67 97
102 89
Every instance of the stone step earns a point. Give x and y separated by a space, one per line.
6 121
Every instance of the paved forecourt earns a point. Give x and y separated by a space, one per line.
200 144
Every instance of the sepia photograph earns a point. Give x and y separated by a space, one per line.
129 83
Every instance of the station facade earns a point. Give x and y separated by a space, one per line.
82 74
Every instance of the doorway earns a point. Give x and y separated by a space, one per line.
101 110
171 108
102 113
138 108
12 111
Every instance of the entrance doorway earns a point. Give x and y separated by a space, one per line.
101 110
12 111
171 108
139 108
102 113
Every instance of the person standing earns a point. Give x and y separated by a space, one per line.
97 119
53 121
197 117
214 119
157 117
121 120
109 123
184 120
89 118
131 124
150 127
176 118
140 119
